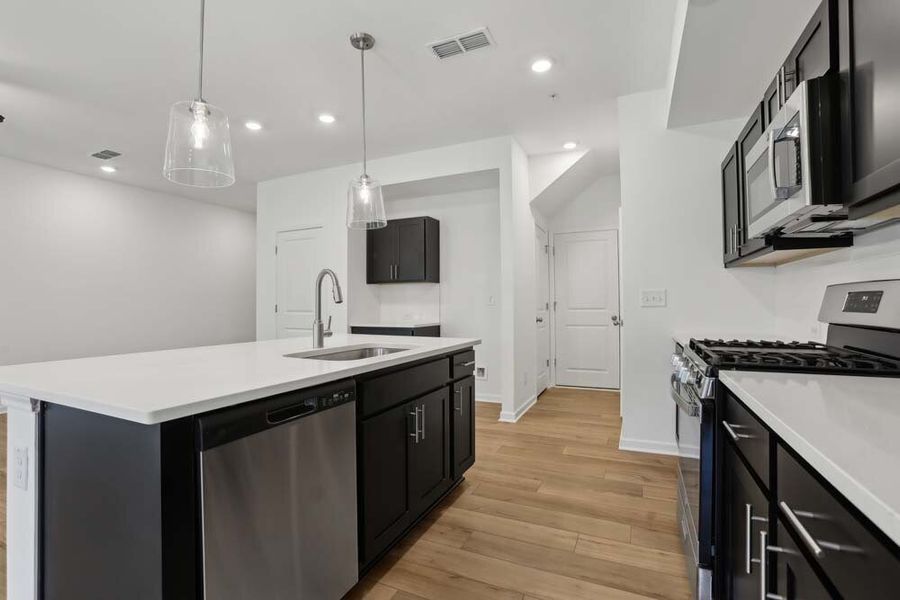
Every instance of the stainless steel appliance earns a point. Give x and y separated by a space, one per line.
278 496
863 340
791 173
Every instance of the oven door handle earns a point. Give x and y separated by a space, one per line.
687 406
773 179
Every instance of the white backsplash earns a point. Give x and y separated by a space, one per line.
409 302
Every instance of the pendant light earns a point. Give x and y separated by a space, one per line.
198 147
365 204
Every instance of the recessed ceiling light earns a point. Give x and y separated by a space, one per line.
326 118
108 169
570 145
253 125
542 65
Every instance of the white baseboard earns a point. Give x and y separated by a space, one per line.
513 416
650 446
489 398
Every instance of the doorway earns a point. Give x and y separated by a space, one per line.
586 286
298 259
542 318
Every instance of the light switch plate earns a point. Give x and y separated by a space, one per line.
653 298
20 467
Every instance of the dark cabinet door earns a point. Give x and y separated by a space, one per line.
870 112
772 100
731 205
463 426
795 579
381 254
429 454
385 445
410 250
816 51
745 511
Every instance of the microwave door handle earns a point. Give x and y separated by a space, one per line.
773 180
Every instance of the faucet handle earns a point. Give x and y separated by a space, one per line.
328 332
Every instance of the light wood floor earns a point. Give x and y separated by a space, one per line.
552 509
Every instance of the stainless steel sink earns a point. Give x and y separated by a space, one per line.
353 353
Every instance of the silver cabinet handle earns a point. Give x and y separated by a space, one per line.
415 433
748 535
734 435
471 363
763 538
458 407
423 422
808 540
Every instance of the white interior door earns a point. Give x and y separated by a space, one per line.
586 271
542 318
298 259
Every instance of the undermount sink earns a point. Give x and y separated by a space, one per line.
354 353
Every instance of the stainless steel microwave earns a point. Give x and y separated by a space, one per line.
791 173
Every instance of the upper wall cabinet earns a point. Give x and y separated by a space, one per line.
869 47
407 250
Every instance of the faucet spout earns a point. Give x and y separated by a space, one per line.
319 332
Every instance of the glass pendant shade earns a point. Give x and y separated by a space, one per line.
365 204
198 147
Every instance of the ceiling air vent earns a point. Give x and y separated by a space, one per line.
460 44
106 154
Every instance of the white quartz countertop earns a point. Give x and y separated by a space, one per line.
153 387
845 427
398 324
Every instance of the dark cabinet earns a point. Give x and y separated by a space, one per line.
748 137
384 449
744 517
463 425
731 205
795 578
429 457
428 331
407 250
870 113
816 51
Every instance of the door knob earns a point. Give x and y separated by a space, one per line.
617 321
540 319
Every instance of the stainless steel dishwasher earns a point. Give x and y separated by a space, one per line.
278 497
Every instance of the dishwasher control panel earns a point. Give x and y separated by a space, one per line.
337 398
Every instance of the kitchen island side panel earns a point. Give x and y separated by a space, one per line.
117 508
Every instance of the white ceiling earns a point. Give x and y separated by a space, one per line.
730 51
77 77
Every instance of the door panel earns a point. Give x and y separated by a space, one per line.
381 253
410 259
731 205
587 299
542 318
463 426
385 500
297 262
429 465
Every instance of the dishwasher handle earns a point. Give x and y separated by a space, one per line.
289 413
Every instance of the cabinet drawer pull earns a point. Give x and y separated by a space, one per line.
808 540
734 435
748 535
423 422
471 363
457 406
415 433
763 538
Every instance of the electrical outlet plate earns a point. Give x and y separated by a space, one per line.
653 298
480 372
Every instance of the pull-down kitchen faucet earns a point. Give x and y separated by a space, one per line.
319 331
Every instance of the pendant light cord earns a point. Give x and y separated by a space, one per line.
362 62
202 27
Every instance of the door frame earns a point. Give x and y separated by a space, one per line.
553 341
551 376
299 227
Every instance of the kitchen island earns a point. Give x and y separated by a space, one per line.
106 490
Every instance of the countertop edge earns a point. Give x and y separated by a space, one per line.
155 417
886 518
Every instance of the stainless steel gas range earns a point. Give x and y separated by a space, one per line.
863 339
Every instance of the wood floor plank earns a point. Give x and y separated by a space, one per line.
437 584
650 559
473 521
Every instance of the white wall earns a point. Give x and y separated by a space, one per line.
799 286
470 274
672 239
94 267
319 197
597 207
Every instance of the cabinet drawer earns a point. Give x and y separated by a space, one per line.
463 364
384 391
749 435
851 555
